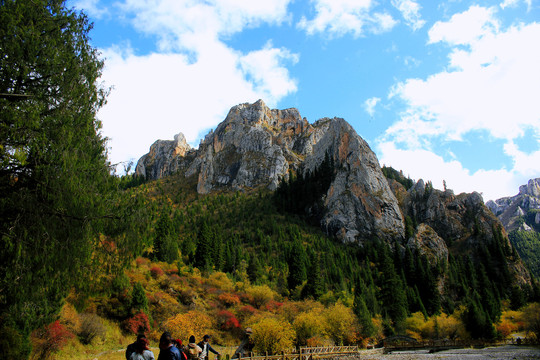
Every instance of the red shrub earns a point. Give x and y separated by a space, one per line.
137 324
273 305
227 320
51 339
246 311
174 278
156 271
140 260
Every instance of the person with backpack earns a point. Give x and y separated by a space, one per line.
167 350
142 352
206 348
193 350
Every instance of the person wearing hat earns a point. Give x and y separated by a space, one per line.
246 346
206 348
193 350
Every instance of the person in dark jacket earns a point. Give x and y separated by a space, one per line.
132 347
206 348
246 346
167 351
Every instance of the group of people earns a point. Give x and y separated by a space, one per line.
170 349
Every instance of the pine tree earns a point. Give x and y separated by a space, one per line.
361 311
139 301
315 283
165 246
297 265
56 190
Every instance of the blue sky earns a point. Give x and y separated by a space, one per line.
441 90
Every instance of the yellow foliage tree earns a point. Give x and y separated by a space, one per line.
531 318
308 325
414 325
440 326
194 322
221 281
341 324
272 335
261 294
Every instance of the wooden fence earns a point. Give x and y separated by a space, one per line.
307 353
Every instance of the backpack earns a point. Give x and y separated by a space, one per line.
192 353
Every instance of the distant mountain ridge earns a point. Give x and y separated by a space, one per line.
512 209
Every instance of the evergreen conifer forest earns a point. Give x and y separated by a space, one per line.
89 258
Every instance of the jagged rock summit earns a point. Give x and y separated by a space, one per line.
511 209
257 146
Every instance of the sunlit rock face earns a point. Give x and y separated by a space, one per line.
256 146
511 209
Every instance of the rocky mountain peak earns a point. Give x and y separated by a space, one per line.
257 146
510 210
531 189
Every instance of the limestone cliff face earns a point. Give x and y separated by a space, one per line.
440 222
510 209
165 158
256 146
359 203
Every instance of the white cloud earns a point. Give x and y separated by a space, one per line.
410 10
369 105
465 28
269 77
181 23
492 86
426 165
491 83
92 7
339 17
158 95
195 78
514 3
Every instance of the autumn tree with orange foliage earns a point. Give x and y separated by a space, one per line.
193 322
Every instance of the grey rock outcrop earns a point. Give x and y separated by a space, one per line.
165 158
511 209
429 243
359 202
256 146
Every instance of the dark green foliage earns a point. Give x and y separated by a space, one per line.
139 301
477 320
392 294
165 245
518 298
361 311
391 173
530 219
297 265
314 287
57 192
527 244
303 194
